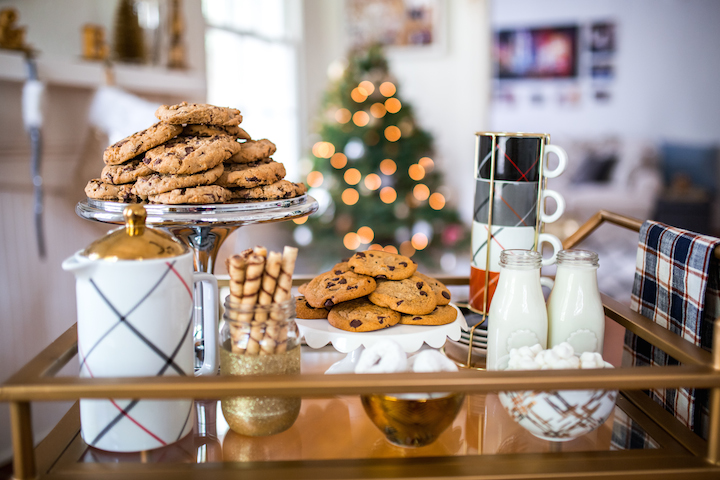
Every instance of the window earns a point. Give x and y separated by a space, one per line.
252 64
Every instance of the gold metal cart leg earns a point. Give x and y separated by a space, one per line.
713 453
22 439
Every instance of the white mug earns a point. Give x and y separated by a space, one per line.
135 319
507 238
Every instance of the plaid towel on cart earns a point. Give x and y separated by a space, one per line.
677 286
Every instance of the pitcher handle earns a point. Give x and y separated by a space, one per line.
209 324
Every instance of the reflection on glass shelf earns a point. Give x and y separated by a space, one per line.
627 434
339 428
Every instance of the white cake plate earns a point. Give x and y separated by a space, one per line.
319 333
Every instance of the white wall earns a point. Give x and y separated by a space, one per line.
667 64
450 93
54 28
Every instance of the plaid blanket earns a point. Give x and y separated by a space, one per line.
627 434
677 286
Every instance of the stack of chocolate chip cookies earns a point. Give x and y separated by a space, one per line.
195 154
375 290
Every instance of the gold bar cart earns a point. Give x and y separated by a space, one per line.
682 454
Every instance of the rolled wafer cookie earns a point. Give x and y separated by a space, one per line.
269 281
251 287
284 283
237 269
256 336
236 266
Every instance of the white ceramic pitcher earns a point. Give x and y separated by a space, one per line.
135 319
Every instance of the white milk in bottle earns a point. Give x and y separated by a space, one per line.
517 316
575 311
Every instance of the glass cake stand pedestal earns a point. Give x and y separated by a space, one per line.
203 228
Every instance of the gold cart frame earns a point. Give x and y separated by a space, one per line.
685 455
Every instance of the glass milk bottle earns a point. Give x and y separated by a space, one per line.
517 315
575 311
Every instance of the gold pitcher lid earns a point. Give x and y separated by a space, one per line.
134 241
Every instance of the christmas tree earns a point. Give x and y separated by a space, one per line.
374 175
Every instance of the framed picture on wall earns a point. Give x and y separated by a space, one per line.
548 52
602 37
399 25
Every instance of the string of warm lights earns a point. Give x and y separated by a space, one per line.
388 167
416 172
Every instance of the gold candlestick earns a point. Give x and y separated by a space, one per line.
177 53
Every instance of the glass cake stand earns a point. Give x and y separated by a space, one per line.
203 228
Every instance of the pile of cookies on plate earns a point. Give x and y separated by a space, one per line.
195 154
375 290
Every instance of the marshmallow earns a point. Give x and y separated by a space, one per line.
386 356
431 361
561 356
525 351
527 364
563 350
574 362
592 360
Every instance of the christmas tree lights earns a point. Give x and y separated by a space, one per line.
373 173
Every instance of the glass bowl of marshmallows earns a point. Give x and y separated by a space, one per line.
558 415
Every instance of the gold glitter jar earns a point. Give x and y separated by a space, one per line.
259 340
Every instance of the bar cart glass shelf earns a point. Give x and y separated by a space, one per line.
333 439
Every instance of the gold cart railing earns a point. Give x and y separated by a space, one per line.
698 459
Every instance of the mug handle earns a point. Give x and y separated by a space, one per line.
209 324
547 282
556 244
559 200
562 160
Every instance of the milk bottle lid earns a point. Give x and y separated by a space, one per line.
134 241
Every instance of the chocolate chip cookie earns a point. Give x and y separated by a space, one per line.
253 150
250 175
139 142
384 265
305 311
361 315
156 183
442 315
340 267
412 295
442 294
127 172
275 191
330 288
210 194
185 155
99 190
198 113
210 130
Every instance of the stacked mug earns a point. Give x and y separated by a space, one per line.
509 207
